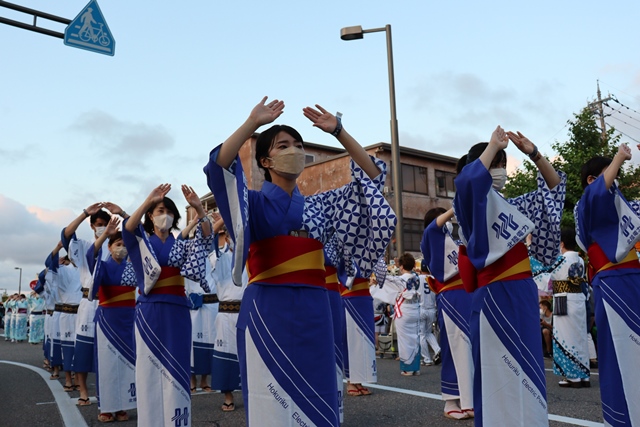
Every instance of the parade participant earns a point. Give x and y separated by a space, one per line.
509 379
225 368
66 281
113 286
285 328
77 251
428 316
607 228
162 320
36 318
8 317
203 310
440 253
570 346
360 348
53 352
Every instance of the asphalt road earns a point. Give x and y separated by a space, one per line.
29 398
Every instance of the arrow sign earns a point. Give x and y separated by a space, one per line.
90 31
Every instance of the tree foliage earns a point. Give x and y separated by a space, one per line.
585 141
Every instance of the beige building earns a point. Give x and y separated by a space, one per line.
427 180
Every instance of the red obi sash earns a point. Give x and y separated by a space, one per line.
598 261
117 296
284 260
331 281
450 285
170 282
514 265
360 288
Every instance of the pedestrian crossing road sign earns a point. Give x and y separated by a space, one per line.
90 31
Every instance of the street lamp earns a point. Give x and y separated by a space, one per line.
19 281
355 33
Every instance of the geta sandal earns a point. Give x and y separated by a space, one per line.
354 392
122 416
106 417
228 407
84 402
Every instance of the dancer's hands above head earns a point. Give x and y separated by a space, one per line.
499 138
191 197
624 151
158 193
264 113
112 226
94 208
522 142
321 118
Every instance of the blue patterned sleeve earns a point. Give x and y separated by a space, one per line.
544 208
190 255
357 215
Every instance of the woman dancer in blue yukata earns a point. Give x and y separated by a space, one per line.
509 380
285 333
162 320
608 226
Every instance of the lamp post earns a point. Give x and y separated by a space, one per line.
355 33
19 280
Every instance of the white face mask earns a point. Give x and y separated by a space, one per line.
163 222
100 231
499 176
541 312
119 253
288 162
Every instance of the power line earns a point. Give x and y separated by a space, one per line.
628 124
628 136
622 113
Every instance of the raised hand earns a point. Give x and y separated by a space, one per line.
94 208
499 138
625 151
191 197
522 142
113 208
112 227
266 113
321 118
158 193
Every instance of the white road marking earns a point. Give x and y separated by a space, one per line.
68 410
559 418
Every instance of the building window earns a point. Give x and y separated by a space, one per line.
309 158
414 179
413 229
444 184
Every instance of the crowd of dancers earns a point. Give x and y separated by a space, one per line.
274 295
24 318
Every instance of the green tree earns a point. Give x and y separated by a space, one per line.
585 141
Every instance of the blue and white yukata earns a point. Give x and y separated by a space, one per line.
8 318
85 323
225 367
36 319
509 382
20 316
203 311
68 291
114 287
163 322
607 227
440 252
570 346
360 349
285 326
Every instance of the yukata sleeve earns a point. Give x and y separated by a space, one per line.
97 266
145 262
190 256
544 208
230 190
356 215
77 249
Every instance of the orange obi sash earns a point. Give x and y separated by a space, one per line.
360 288
598 261
117 296
284 260
331 281
170 282
514 265
452 284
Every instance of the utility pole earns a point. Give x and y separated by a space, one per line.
596 107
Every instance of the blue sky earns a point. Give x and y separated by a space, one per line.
79 127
